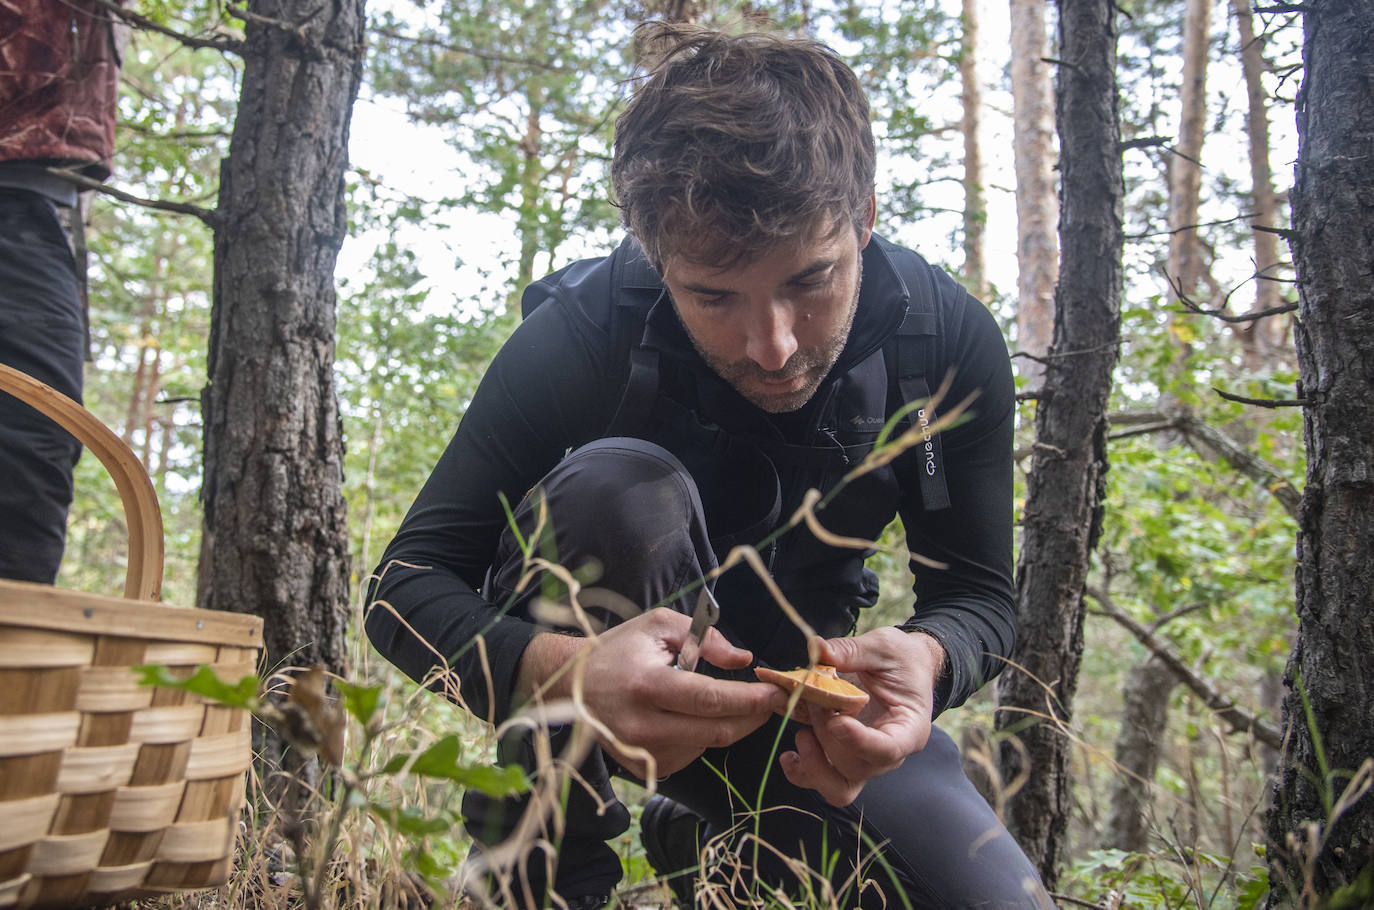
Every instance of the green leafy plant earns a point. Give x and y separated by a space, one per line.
319 724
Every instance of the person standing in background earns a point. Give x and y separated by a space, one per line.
59 72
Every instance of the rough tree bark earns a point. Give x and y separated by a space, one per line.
1037 207
275 541
1330 678
1067 478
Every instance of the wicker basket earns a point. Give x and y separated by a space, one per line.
108 789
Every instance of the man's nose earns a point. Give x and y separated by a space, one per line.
771 337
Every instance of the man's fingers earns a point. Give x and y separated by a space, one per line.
808 768
857 751
837 652
704 696
716 649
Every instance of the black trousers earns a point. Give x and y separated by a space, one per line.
920 835
42 333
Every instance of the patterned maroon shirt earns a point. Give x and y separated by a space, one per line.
59 72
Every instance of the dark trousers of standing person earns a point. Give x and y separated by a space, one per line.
42 333
919 836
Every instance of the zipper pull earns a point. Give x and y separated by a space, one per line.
835 441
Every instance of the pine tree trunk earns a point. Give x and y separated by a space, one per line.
1067 478
1264 340
275 541
1185 169
1037 208
1144 716
531 195
975 205
1330 676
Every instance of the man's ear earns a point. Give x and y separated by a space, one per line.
869 221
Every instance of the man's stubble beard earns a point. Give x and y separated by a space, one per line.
816 363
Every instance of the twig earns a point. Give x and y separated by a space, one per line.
1239 720
1264 402
1044 361
247 15
468 50
1144 430
1169 617
135 127
1253 316
1077 902
1056 61
1285 233
1144 143
209 216
222 43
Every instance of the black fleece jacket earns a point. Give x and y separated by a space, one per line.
556 384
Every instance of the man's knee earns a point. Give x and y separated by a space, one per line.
623 514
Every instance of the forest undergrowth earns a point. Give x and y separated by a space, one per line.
372 820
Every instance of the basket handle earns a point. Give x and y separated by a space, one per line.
143 580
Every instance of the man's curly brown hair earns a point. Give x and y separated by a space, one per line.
735 145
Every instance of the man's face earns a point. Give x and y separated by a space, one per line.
773 327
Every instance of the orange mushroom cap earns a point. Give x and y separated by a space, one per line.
820 685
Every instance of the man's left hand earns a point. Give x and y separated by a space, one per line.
839 753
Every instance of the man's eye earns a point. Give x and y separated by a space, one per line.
818 283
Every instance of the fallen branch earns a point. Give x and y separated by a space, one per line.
1240 721
1210 443
1202 435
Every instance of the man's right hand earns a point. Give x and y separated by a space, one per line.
629 684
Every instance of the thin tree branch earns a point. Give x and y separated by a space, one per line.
1211 443
295 28
1219 313
1043 361
1202 435
1264 402
1077 902
1144 143
1285 233
223 43
1169 232
143 130
429 41
1144 430
1238 719
209 216
1169 617
1137 418
1243 317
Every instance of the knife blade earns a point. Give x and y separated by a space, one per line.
703 617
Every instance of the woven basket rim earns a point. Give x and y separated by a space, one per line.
62 609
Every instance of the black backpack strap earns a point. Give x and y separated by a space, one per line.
907 354
635 287
641 390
